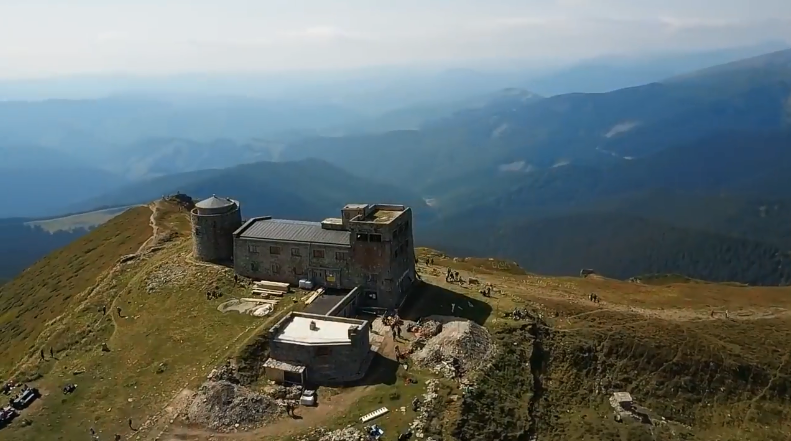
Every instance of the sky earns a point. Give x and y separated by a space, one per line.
57 37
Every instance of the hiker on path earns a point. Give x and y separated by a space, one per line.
456 275
42 354
118 308
393 332
51 352
398 331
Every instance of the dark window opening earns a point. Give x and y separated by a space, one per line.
252 248
318 254
274 250
362 237
375 238
253 266
371 294
295 252
340 256
275 268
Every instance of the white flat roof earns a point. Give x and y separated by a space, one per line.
297 330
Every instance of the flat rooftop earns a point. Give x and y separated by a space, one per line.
297 330
383 214
284 230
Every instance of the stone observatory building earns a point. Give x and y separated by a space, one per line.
214 221
369 246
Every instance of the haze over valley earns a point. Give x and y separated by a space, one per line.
550 154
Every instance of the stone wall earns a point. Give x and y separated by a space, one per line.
212 235
326 265
386 267
347 307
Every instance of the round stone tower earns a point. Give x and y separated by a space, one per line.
213 222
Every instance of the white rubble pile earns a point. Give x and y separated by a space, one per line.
463 340
348 434
428 328
425 410
224 406
280 392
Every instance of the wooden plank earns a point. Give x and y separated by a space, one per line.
312 297
250 299
272 286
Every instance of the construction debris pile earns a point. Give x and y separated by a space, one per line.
281 392
348 434
425 329
459 349
224 406
425 407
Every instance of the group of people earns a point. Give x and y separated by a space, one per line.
593 297
452 276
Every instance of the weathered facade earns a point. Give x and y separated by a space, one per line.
318 349
213 222
370 246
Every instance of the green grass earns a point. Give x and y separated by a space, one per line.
53 285
168 340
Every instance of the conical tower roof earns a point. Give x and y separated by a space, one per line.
214 202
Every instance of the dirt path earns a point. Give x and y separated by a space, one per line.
307 418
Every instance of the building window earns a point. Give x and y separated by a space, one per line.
275 268
295 252
375 238
253 266
318 254
274 250
341 257
362 237
371 294
252 248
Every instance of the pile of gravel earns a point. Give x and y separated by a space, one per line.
348 434
428 328
224 406
463 340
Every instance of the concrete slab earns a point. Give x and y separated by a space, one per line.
298 330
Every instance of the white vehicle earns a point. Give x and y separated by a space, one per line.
308 398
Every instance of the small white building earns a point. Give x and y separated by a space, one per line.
622 400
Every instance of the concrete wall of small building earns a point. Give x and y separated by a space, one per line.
212 235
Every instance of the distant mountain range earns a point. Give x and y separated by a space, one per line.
687 175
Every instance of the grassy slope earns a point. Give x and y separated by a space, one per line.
172 326
724 378
54 284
